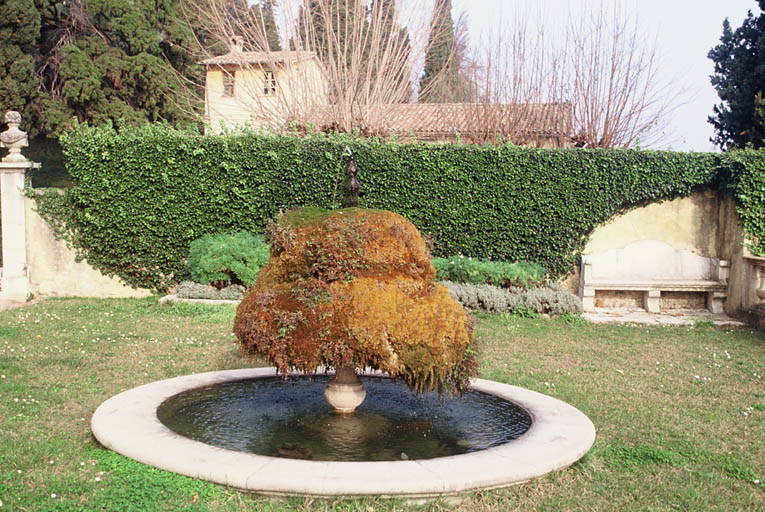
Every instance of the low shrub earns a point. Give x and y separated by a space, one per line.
460 269
550 298
192 290
224 259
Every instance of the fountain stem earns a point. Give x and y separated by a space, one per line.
345 392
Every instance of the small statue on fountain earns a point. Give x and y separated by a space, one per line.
351 185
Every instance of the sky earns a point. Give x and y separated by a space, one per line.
684 31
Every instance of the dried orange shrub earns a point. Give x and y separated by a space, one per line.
356 287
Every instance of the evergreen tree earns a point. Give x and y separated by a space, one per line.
124 62
265 17
19 30
739 77
394 37
385 11
439 83
328 27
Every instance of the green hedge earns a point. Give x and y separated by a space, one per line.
461 269
141 196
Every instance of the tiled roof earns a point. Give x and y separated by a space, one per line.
444 120
241 58
522 123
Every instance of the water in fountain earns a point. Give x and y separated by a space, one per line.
289 418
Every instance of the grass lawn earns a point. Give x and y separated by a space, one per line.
680 411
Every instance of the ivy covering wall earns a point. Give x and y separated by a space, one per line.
744 175
141 196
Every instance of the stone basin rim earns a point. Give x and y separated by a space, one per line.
127 423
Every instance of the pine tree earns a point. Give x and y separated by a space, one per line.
19 31
739 77
438 83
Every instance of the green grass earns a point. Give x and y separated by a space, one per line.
680 411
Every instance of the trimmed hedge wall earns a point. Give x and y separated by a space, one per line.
141 196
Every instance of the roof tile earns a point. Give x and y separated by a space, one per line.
443 121
244 58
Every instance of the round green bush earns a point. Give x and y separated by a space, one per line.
225 259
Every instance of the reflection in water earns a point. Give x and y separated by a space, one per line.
291 419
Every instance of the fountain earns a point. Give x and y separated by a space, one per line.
351 290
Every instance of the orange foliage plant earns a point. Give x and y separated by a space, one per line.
356 287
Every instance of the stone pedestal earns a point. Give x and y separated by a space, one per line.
754 276
15 282
345 392
760 292
651 301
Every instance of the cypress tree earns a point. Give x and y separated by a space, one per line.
384 11
339 16
124 62
438 83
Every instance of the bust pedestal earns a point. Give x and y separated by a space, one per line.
13 167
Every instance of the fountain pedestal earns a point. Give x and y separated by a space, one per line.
345 392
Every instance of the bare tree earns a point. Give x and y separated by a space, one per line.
612 77
594 79
515 90
597 76
365 61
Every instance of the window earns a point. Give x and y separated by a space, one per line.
269 83
228 83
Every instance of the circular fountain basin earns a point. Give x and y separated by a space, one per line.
127 423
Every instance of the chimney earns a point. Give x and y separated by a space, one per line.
237 44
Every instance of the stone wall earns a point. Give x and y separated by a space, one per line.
704 223
53 271
688 223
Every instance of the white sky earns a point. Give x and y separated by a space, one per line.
685 31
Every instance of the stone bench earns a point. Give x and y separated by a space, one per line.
652 267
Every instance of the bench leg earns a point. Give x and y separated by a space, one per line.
651 301
715 301
588 299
